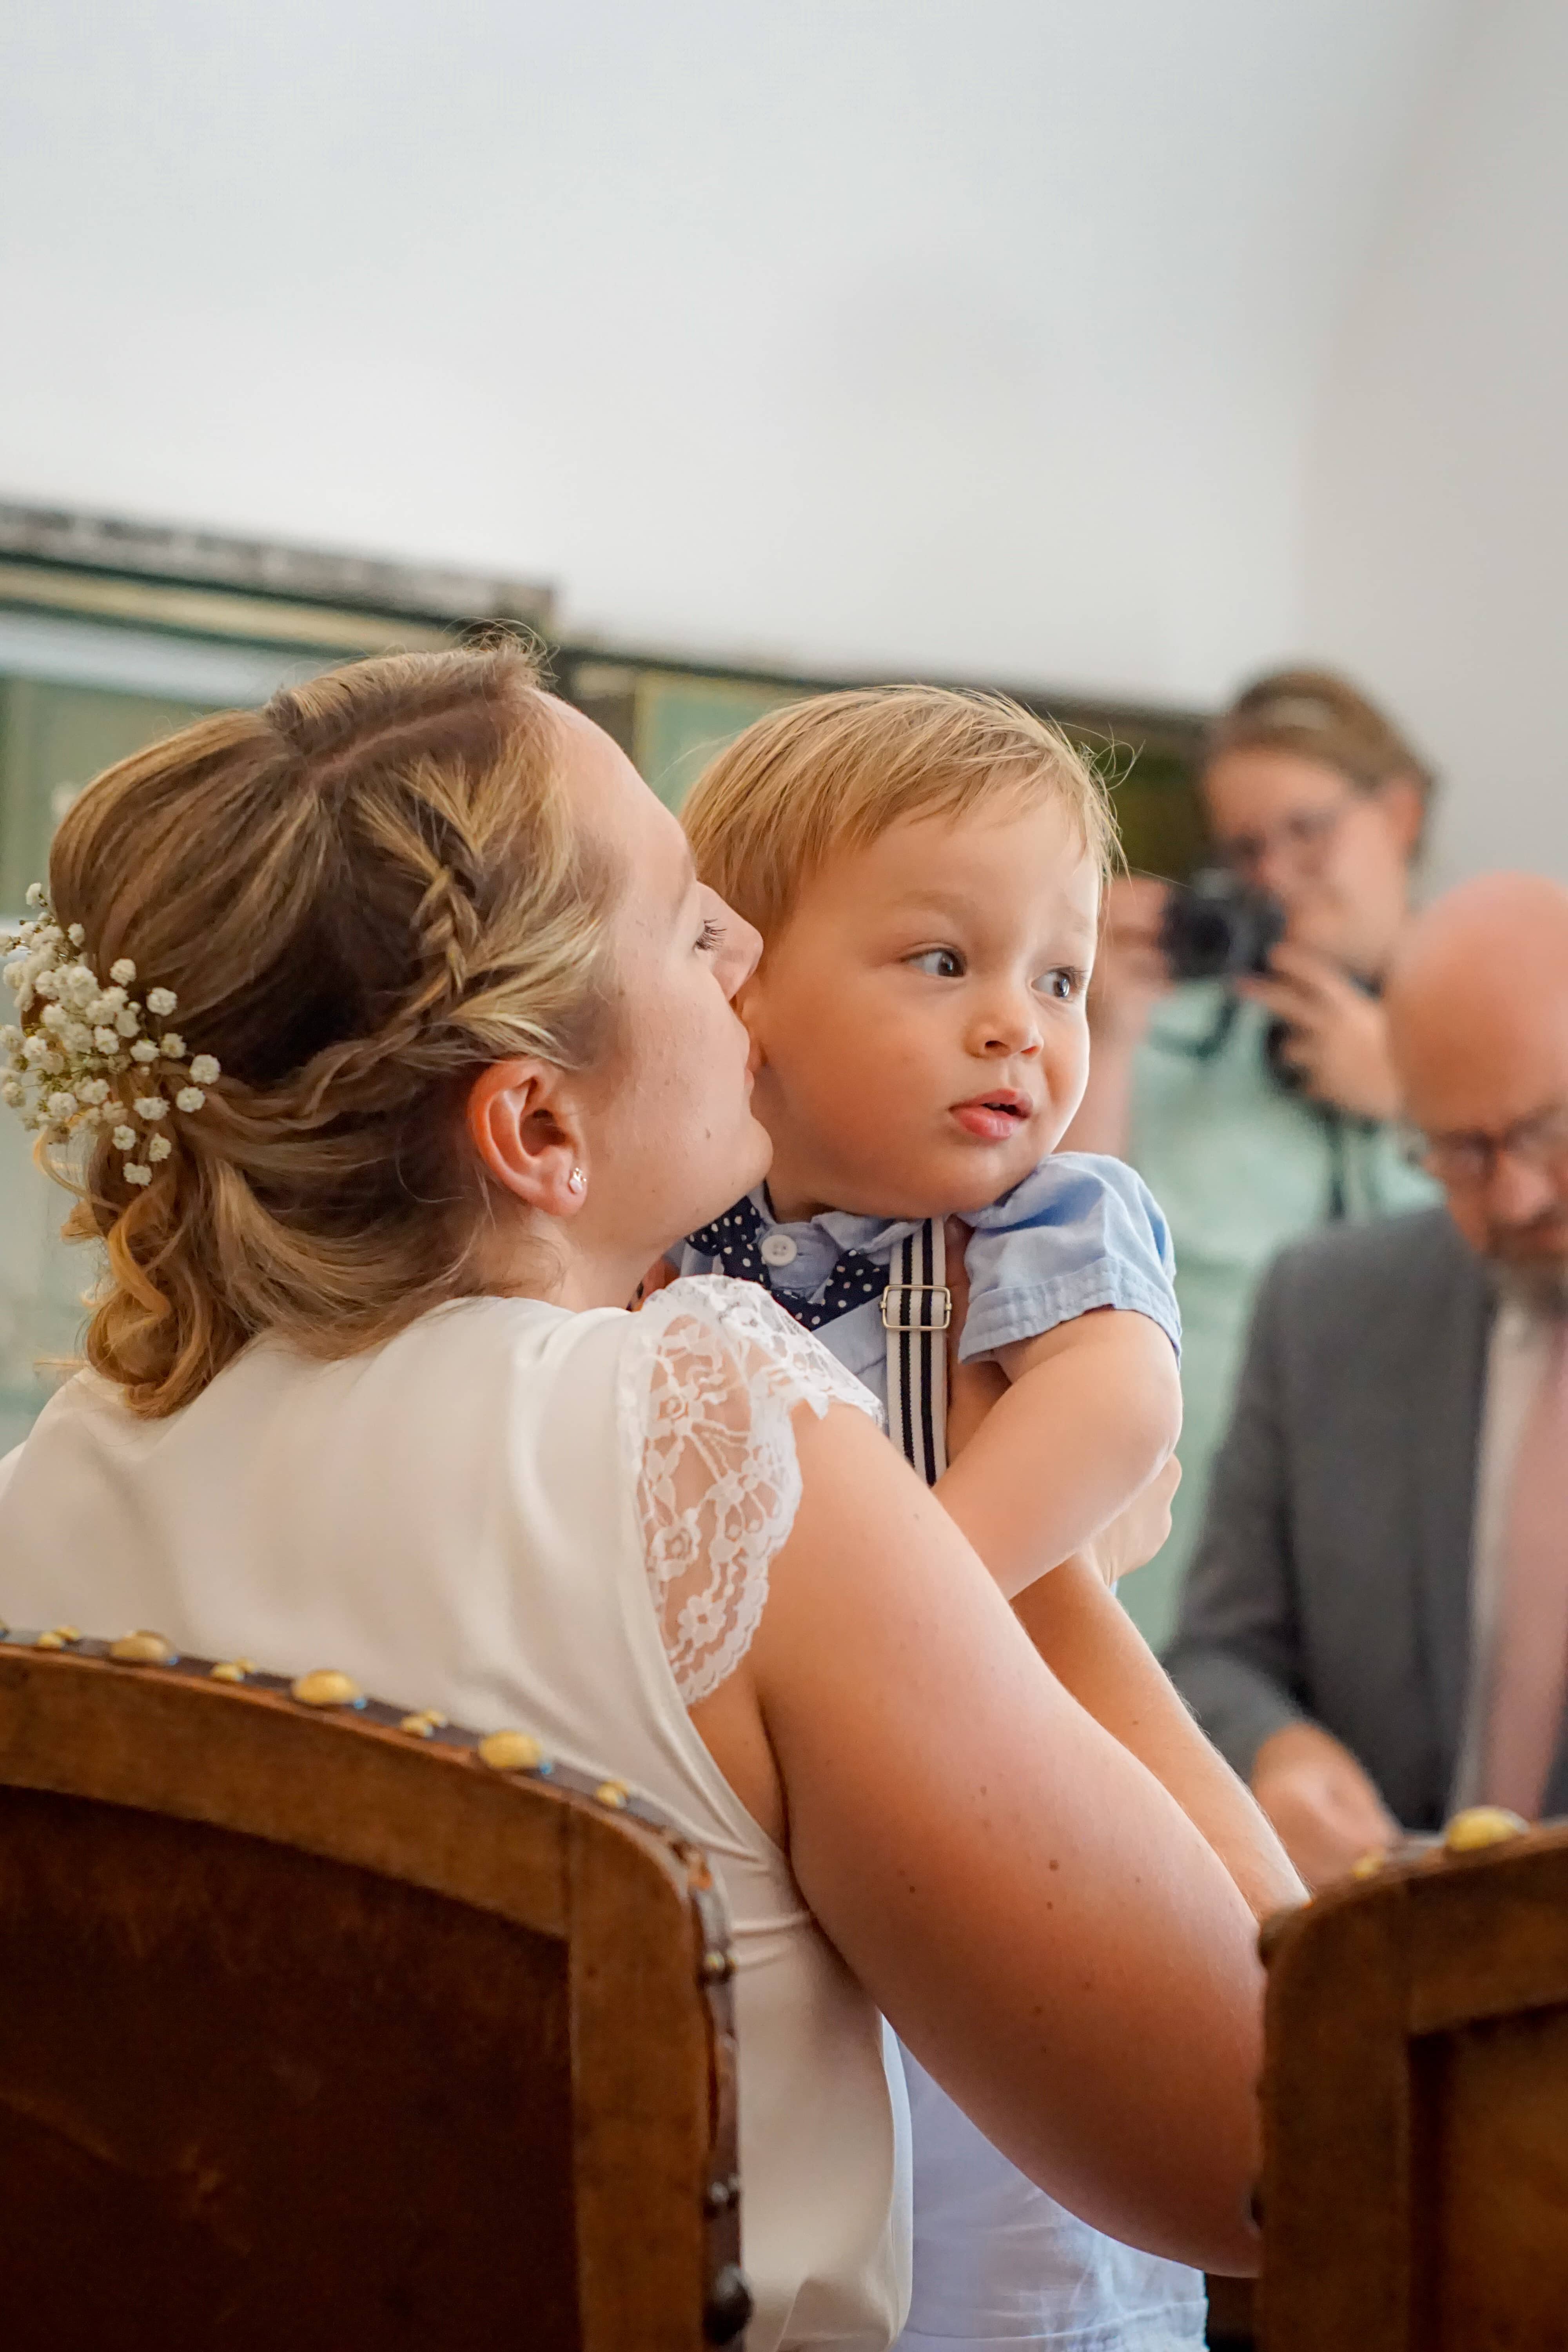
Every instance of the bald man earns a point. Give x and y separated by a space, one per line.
1375 1629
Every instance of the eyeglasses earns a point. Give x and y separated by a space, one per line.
1306 837
1465 1163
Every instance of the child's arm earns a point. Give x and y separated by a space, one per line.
1096 1652
1090 1414
1015 1455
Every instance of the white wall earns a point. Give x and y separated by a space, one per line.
1437 538
979 338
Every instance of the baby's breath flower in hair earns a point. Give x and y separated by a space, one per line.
81 1055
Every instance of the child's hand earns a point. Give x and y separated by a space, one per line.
1137 1533
658 1276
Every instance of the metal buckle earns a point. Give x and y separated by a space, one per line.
940 1320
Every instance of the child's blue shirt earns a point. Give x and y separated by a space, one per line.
1078 1232
998 2267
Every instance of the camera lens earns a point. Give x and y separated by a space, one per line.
1213 927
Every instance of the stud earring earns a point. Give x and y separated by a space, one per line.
577 1183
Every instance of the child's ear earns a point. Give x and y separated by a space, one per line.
748 1002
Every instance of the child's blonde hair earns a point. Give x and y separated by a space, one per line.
834 773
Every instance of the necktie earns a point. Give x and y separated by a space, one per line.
1530 1665
735 1239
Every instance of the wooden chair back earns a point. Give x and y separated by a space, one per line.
1414 2192
324 2025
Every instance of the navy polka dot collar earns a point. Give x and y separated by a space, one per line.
736 1240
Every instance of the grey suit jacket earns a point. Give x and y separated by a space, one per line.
1332 1577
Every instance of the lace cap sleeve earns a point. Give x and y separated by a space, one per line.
708 1385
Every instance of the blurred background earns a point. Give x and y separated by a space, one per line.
1109 350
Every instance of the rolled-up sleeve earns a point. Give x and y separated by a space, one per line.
1083 1231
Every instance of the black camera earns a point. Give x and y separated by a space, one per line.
1214 928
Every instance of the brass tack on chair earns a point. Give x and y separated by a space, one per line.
231 1670
729 2305
57 1637
326 1687
1369 1864
613 1793
424 1724
1481 1825
510 1751
718 1966
143 1649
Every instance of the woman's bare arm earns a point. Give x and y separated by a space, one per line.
1090 1404
1039 1919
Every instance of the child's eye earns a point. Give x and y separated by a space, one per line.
710 936
943 964
1064 984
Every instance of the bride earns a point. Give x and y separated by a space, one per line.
400 1032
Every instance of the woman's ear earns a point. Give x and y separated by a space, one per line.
526 1129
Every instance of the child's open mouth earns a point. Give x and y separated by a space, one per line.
994 1118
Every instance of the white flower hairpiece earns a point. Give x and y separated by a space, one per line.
82 1057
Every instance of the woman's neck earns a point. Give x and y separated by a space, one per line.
540 1257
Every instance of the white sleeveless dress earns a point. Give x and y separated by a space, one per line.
534 1518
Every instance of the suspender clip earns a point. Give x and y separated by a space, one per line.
896 1317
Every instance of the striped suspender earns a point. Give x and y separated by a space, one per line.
917 1308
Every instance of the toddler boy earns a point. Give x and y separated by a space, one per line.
925 868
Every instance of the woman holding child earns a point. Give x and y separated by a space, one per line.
455 1061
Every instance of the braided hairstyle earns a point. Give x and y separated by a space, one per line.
362 895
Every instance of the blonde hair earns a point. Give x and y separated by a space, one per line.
362 895
1320 716
834 773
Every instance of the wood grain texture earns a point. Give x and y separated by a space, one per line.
319 2034
1415 2109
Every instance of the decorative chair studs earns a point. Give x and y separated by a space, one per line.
143 1649
271 1785
327 1687
1479 1826
512 1751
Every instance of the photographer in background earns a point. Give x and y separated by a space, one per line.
1259 1101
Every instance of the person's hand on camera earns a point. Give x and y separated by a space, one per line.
1327 1812
1130 974
1337 1036
1136 1534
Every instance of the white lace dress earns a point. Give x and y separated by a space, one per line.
561 1522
